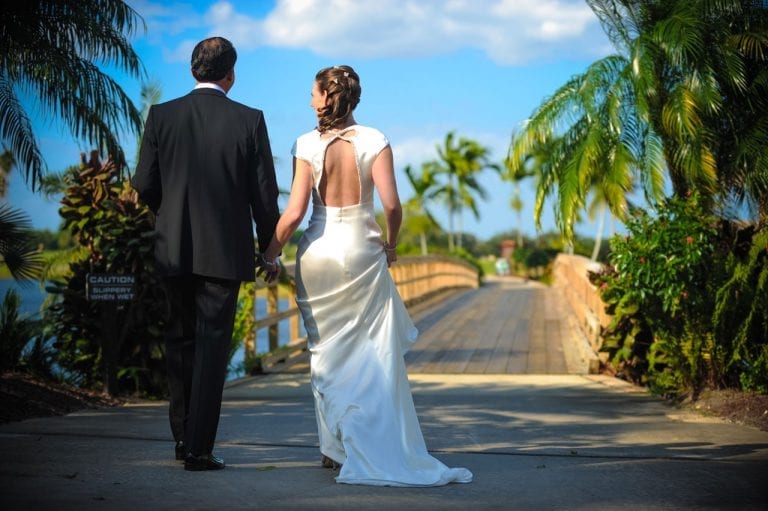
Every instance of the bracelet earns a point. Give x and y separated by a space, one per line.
271 264
390 248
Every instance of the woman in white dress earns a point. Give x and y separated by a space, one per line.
357 326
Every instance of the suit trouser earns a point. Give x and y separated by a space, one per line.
197 347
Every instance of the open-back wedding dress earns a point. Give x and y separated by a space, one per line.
358 331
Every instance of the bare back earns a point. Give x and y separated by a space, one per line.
340 182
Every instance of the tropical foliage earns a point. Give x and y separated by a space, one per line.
452 179
682 102
741 309
681 111
17 249
115 345
660 291
49 56
15 331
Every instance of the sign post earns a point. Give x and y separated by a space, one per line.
112 291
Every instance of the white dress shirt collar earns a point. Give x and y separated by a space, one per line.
209 85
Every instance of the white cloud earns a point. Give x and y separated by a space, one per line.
167 19
244 31
508 31
414 151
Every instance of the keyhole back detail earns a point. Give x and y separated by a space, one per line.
339 184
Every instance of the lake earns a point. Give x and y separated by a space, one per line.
32 297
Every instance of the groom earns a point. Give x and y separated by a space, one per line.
205 168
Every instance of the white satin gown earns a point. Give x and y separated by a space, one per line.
358 331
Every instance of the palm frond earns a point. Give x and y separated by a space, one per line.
16 248
51 51
16 129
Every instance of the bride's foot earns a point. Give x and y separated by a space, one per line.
329 463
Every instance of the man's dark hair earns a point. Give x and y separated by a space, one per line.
212 59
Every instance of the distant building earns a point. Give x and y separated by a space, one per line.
507 248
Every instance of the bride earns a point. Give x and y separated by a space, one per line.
357 326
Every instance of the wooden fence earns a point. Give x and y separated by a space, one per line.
417 279
571 277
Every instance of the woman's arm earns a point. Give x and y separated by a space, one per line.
298 202
383 174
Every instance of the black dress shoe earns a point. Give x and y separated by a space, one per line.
204 462
181 451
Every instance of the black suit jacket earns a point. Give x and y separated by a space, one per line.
206 170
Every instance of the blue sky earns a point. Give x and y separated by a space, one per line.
427 67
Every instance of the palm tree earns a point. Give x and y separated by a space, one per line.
651 112
151 92
49 50
453 179
516 203
418 219
17 250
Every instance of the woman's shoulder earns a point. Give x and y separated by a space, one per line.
309 136
305 143
369 131
372 137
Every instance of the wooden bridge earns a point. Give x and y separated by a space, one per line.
504 325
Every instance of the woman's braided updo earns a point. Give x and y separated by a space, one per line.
342 84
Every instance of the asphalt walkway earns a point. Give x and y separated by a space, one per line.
534 442
567 442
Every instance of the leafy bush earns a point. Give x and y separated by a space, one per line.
660 288
741 314
113 344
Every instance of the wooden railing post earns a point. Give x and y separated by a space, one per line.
294 326
272 292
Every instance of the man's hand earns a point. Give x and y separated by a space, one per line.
268 270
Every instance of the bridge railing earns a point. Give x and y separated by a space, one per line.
571 277
417 278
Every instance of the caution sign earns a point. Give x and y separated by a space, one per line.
110 287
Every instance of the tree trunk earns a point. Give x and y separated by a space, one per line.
460 230
599 235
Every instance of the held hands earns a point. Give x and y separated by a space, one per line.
268 270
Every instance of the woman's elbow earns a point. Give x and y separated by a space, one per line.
394 211
290 220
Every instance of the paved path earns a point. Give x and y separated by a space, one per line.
534 442
508 326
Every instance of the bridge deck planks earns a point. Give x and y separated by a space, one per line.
508 326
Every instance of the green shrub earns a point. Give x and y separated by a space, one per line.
114 345
659 288
741 314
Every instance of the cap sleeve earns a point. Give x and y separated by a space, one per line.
378 142
303 147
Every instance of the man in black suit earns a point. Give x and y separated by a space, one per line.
205 168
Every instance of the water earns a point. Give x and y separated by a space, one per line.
31 294
262 337
32 297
